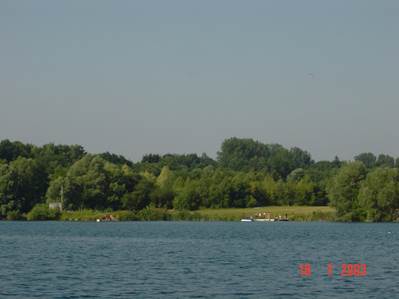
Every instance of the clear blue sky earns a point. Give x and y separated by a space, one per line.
133 77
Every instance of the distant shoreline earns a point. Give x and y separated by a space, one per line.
38 182
293 213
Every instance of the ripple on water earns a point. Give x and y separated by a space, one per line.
194 260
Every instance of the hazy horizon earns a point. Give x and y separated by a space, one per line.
180 77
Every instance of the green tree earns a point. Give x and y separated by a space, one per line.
189 198
258 193
385 160
116 159
151 158
56 159
42 212
247 154
368 159
344 187
379 194
296 175
23 184
141 196
305 192
10 151
243 154
93 183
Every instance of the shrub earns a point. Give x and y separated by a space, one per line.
14 215
81 215
187 216
42 212
354 216
125 215
153 214
322 216
251 203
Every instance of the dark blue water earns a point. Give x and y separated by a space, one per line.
195 260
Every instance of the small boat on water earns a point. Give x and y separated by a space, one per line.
247 220
265 217
265 220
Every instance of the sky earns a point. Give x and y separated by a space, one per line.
136 77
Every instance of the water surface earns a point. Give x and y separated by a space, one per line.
195 260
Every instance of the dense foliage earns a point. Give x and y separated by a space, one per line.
246 173
43 212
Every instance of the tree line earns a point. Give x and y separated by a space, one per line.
246 173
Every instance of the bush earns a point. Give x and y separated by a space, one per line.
153 214
251 203
14 215
42 212
355 216
125 215
187 216
322 216
81 215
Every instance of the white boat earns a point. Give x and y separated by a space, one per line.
247 220
265 219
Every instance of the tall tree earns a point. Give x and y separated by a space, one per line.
248 154
23 184
385 160
368 159
379 194
10 151
344 187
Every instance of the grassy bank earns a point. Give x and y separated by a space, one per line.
294 213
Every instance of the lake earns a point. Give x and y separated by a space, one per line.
196 260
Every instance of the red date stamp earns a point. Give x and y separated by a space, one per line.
348 270
354 270
305 270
